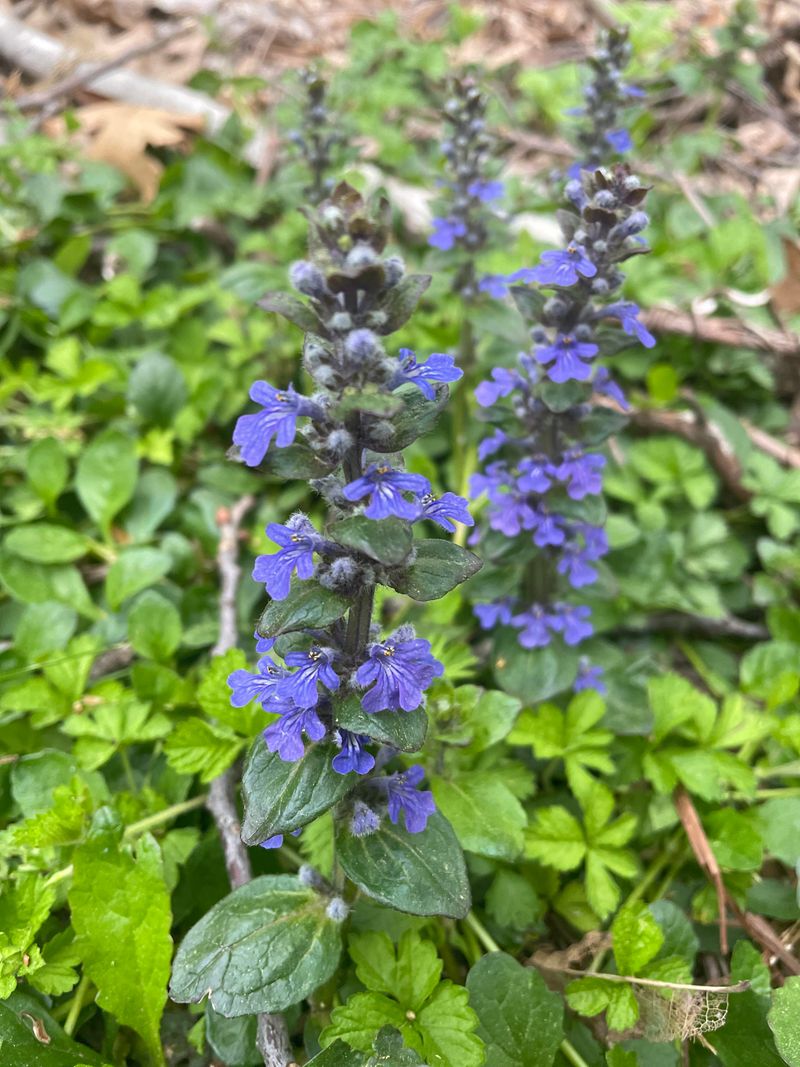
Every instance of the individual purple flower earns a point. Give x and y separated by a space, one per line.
505 382
595 540
496 285
536 626
446 232
280 409
385 487
263 644
354 755
574 563
446 510
563 266
492 444
498 613
486 191
297 543
437 368
568 353
403 796
590 676
285 735
575 626
401 669
276 840
582 473
549 529
620 140
524 275
628 314
604 384
262 686
511 514
536 474
312 666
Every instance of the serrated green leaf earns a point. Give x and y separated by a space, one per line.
446 1025
385 540
636 936
485 814
308 605
121 910
198 747
520 1019
359 1020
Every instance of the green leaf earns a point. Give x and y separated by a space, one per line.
542 672
417 417
30 1037
486 716
520 1019
637 938
294 310
485 814
513 902
134 570
410 972
265 946
370 401
438 567
121 911
233 1040
43 542
297 460
783 1018
339 1055
675 702
198 747
157 388
403 730
47 468
307 605
359 1020
556 838
154 626
529 301
36 583
447 1025
420 873
280 796
390 1050
401 300
106 476
746 1039
386 540
779 820
214 696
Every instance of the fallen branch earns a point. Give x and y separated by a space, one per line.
40 56
680 622
723 331
273 1036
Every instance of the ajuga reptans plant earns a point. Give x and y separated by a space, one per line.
543 473
320 137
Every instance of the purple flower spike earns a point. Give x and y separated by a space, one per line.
505 382
582 473
402 795
549 529
446 510
498 613
313 666
261 686
628 314
296 553
562 267
354 755
536 474
280 409
385 487
568 354
437 368
590 676
486 191
446 232
285 735
402 670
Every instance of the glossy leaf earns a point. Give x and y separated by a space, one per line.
401 301
307 605
385 540
403 730
438 567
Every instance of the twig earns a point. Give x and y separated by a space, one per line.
724 331
654 983
680 622
783 453
85 75
273 1035
704 854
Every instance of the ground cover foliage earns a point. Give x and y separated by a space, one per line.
570 851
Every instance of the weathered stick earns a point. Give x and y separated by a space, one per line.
723 331
273 1036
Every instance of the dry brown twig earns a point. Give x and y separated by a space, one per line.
704 854
273 1036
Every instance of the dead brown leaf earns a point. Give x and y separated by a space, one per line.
120 134
786 294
